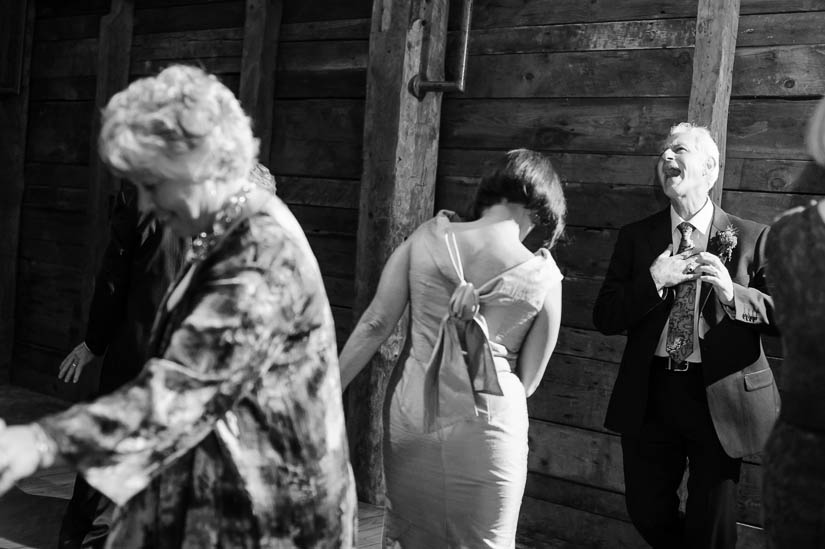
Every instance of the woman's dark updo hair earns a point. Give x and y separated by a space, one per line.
526 177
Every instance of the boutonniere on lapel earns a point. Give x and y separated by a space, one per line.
722 243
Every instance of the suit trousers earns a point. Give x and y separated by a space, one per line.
678 433
87 520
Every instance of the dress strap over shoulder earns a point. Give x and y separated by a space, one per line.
462 361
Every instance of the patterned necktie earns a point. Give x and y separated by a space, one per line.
680 325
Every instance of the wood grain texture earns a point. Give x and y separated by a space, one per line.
401 137
114 45
262 28
717 23
14 110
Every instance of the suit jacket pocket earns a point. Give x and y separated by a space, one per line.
758 380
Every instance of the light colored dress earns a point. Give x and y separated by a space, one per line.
455 455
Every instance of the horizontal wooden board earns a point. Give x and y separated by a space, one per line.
341 293
64 58
70 199
217 15
50 251
634 126
785 71
320 220
775 29
318 138
613 73
59 132
598 501
67 28
745 174
57 175
340 193
189 44
325 10
56 226
512 13
767 129
585 253
575 391
595 459
613 35
61 8
544 524
345 29
47 304
328 55
214 65
63 88
762 207
579 342
335 254
322 69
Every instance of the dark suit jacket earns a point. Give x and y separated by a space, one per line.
128 289
742 395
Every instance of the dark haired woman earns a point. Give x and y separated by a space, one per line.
484 316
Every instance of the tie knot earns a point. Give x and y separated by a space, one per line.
686 229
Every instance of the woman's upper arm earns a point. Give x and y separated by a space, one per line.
540 341
393 291
381 316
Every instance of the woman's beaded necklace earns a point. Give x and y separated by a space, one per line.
205 242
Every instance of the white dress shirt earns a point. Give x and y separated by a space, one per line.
702 222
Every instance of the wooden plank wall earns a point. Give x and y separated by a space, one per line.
316 154
53 217
318 120
596 85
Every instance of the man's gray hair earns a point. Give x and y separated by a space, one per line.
705 142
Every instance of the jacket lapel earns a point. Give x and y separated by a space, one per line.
720 221
659 236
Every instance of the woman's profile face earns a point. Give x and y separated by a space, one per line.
176 199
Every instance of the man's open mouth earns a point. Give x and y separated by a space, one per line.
670 171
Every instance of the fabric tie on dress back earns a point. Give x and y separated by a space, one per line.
462 362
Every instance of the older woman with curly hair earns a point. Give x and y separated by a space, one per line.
233 433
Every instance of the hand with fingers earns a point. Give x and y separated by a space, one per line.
23 450
72 366
711 270
671 270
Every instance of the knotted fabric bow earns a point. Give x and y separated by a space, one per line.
462 361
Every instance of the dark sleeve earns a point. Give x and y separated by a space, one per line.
108 306
625 296
752 304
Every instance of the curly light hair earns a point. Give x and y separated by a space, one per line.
705 142
181 110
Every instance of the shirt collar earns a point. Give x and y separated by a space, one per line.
701 220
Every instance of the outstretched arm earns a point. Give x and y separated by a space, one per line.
380 318
244 319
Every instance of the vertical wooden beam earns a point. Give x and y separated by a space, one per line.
717 22
397 193
114 48
14 110
260 51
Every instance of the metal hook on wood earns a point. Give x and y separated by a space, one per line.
419 85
